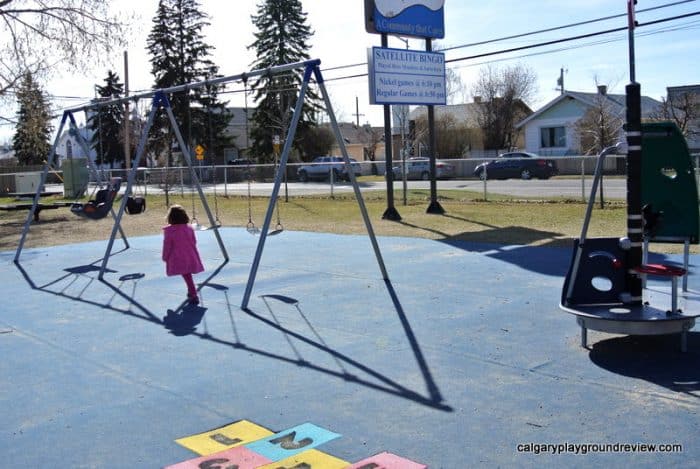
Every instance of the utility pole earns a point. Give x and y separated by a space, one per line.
357 112
560 81
127 139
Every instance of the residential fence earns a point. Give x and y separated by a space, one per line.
234 178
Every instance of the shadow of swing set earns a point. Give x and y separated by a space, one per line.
103 203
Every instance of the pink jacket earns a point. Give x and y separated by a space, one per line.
180 250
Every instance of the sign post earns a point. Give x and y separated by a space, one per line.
403 77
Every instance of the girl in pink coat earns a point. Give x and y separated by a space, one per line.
180 250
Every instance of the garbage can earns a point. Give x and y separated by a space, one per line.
75 177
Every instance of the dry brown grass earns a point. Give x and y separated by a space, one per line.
505 221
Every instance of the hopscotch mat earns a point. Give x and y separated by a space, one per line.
246 445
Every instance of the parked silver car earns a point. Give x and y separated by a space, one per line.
419 168
322 166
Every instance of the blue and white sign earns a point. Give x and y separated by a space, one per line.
420 18
399 76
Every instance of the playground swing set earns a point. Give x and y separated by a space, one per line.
104 201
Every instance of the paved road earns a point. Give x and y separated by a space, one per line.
613 187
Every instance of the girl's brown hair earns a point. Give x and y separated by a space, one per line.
177 215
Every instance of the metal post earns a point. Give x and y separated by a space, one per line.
351 173
159 100
312 67
188 158
634 202
586 219
634 171
127 130
276 187
130 181
37 195
98 176
686 258
583 178
434 206
390 213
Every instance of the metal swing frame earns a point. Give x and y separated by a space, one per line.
70 119
160 99
311 67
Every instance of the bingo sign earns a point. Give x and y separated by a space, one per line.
419 18
399 76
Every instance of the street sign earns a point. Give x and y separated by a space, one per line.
276 144
199 152
398 76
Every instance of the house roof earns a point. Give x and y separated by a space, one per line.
466 112
617 102
6 153
70 132
673 91
354 134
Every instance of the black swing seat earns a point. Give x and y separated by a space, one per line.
135 205
101 205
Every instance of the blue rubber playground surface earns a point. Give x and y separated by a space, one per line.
463 359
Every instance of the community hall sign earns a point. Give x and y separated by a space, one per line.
419 18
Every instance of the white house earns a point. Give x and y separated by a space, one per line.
239 128
551 129
69 146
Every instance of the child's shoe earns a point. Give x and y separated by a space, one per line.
193 299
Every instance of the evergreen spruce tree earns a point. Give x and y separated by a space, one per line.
107 122
179 55
33 130
282 38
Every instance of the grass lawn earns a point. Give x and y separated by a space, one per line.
504 220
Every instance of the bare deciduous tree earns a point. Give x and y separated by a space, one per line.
600 125
683 109
40 36
455 90
501 96
453 136
371 138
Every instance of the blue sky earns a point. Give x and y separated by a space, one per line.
666 53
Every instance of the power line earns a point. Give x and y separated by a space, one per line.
570 38
503 51
552 42
566 26
579 46
531 33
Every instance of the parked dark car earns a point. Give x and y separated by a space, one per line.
321 166
240 162
518 164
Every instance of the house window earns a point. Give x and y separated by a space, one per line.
552 137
